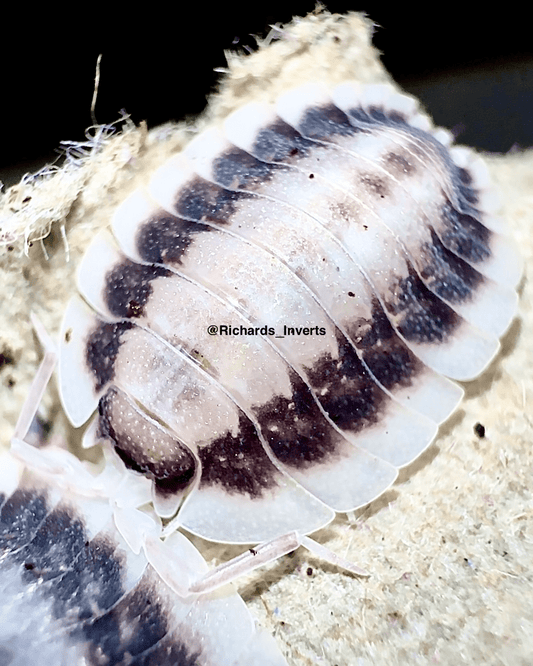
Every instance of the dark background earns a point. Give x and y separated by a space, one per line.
472 70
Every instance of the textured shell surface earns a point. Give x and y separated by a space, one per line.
275 324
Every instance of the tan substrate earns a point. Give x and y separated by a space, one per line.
450 546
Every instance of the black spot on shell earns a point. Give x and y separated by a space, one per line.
101 351
128 287
238 462
54 546
479 429
6 358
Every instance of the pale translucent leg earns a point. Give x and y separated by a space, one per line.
39 384
242 564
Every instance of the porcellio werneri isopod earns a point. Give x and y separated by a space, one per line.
74 592
274 329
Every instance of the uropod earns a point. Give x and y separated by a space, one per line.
273 327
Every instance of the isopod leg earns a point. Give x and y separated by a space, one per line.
261 555
39 384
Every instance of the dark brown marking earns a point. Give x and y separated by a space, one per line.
374 184
464 235
385 116
238 463
238 170
279 142
446 274
345 390
296 429
21 515
204 201
101 351
388 358
81 581
420 315
141 622
399 165
345 210
323 122
61 527
128 287
463 183
165 239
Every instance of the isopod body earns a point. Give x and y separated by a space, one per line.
73 592
274 329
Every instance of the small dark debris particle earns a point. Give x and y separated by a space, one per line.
311 175
253 551
6 358
10 248
309 571
68 335
29 566
351 294
11 382
134 309
479 429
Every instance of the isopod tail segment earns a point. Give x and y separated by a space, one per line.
127 494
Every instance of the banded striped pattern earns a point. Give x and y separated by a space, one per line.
340 213
73 592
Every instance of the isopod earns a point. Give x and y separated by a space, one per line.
274 327
73 591
347 259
